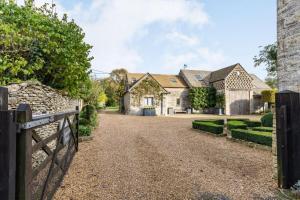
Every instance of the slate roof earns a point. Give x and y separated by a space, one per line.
196 78
221 74
258 85
166 81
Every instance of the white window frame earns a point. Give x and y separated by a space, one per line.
148 101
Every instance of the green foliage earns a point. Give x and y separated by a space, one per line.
236 125
215 121
267 120
85 130
36 44
253 123
208 126
147 87
220 100
268 96
263 129
264 138
202 97
268 56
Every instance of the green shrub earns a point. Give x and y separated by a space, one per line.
83 121
263 129
267 120
243 120
253 123
208 126
236 125
85 130
264 138
217 121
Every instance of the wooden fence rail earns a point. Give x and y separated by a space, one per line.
32 163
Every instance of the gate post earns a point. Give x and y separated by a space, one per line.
24 155
288 138
7 148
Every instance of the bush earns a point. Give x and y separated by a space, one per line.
202 97
83 121
268 96
267 120
264 138
253 123
236 125
85 130
263 129
217 121
208 126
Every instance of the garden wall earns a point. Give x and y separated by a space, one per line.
42 99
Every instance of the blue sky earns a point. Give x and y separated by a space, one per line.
160 36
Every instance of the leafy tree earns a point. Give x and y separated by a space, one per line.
36 44
220 100
268 96
268 56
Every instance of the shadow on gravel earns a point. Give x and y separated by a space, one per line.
210 196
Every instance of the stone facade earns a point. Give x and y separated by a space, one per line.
289 45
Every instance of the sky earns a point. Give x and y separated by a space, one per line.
160 36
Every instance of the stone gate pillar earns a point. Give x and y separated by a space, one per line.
288 37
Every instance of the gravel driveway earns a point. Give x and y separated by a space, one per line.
134 157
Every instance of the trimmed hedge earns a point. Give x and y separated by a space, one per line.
236 125
267 120
208 126
215 121
264 138
263 129
253 123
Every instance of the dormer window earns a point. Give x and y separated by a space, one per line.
198 77
173 80
133 80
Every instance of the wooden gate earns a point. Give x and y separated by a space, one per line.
288 138
35 151
239 102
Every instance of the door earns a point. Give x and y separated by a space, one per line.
239 102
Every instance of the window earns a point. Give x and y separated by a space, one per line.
148 101
173 80
178 102
198 77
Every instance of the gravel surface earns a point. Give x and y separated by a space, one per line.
134 157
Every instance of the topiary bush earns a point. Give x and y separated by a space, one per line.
263 129
267 120
236 125
264 138
215 121
253 123
208 126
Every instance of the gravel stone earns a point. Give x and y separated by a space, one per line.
134 157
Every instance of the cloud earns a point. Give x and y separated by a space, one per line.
182 38
111 26
201 58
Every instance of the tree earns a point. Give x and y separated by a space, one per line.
202 97
36 44
268 56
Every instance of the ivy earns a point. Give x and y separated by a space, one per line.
148 86
202 97
36 44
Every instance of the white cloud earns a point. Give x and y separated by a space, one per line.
176 36
110 26
201 58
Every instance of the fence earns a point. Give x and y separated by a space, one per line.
32 165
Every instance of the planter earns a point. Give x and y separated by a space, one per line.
189 111
149 112
170 111
219 111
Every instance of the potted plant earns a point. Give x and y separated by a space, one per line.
220 102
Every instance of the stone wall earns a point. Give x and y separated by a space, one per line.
288 33
42 99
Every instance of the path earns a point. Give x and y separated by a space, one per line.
134 157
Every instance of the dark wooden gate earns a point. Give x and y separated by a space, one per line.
288 138
35 151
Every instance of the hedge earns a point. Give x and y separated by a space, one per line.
253 123
85 130
208 126
264 138
267 120
215 121
236 125
263 129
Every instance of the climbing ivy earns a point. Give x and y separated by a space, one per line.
202 97
148 86
36 44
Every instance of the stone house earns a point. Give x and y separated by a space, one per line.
241 90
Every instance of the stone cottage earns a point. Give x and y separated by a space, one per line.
241 90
